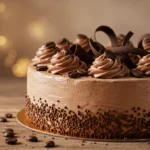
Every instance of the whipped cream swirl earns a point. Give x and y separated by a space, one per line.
83 41
44 54
107 68
146 44
63 63
144 64
64 44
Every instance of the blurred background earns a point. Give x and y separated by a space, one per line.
27 24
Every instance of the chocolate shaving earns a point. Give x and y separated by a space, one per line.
96 48
82 54
127 38
127 50
139 45
111 34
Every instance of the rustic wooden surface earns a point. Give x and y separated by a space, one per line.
12 100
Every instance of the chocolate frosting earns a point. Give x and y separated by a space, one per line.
83 41
104 67
144 64
63 63
146 44
44 54
64 44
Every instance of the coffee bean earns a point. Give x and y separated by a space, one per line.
41 68
74 74
11 141
50 144
136 73
8 115
8 129
32 138
2 119
9 134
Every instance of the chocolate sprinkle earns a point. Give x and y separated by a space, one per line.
41 68
133 123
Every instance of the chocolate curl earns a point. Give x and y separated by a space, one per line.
110 33
82 54
127 61
96 48
139 45
127 37
127 50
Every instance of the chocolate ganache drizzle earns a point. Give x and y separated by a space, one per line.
44 54
83 41
106 67
64 63
144 64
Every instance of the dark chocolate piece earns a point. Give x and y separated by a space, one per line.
139 45
41 68
8 115
110 33
50 144
2 119
82 54
136 73
11 141
32 138
127 38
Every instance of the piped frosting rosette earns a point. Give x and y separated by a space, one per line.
65 63
144 65
44 54
107 67
64 44
83 41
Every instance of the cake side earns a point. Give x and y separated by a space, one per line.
88 107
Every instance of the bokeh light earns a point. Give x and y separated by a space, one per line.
2 40
2 7
36 30
10 58
20 68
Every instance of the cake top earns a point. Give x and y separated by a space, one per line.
88 57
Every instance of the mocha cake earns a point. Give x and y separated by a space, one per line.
83 89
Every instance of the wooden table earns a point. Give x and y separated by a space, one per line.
12 100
